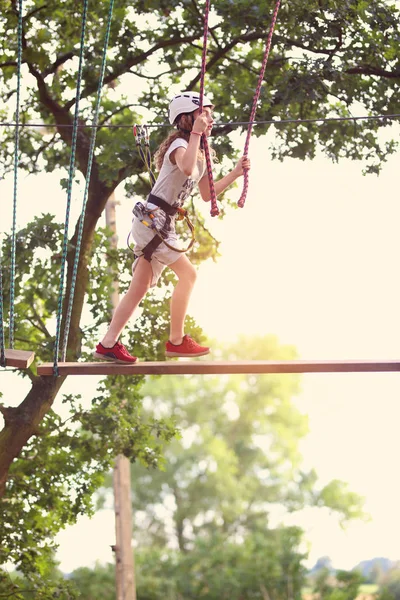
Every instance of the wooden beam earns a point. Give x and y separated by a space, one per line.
21 359
194 367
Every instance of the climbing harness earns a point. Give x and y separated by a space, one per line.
147 217
242 198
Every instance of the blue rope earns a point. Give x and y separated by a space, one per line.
16 156
87 181
69 188
2 348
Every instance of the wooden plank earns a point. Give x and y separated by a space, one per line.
21 359
194 367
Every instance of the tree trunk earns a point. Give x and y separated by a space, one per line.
21 422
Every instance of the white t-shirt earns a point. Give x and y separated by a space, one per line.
172 185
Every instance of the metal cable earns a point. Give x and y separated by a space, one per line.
223 124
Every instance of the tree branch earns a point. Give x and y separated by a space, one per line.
10 63
371 70
34 11
222 52
200 15
302 46
42 148
115 112
57 63
154 77
122 68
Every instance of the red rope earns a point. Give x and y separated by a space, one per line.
242 198
213 197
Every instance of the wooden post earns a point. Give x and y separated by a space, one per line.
124 561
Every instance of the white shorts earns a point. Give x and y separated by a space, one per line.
162 256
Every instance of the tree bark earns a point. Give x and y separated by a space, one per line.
22 422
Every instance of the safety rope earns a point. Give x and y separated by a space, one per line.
142 136
87 182
14 217
213 197
242 198
69 187
16 159
2 346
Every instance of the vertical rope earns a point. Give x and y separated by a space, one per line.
242 198
87 182
16 159
69 188
213 197
2 347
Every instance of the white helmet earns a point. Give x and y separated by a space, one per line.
185 102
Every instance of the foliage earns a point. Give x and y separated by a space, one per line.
215 569
390 582
344 585
238 457
61 466
329 58
54 585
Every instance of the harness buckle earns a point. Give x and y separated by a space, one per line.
181 213
143 214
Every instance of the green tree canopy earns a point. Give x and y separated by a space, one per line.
329 58
237 459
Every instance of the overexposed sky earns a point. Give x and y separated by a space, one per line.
312 258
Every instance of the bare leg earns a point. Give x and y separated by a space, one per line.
140 283
187 275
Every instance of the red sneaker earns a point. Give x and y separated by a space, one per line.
117 353
188 347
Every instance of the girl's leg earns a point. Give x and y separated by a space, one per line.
187 275
140 284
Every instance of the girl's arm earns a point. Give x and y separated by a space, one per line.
224 182
186 159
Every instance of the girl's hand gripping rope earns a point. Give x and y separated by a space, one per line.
242 166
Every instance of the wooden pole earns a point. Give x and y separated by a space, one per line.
124 560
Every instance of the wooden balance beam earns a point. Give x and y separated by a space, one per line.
21 359
215 367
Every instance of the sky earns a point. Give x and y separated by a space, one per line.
320 273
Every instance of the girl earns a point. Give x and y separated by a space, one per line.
182 165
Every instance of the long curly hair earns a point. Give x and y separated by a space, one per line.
184 122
